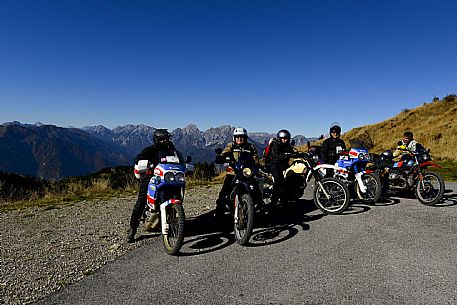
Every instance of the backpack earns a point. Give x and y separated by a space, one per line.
266 150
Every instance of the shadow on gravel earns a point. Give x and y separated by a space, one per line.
280 223
356 208
448 200
272 225
387 202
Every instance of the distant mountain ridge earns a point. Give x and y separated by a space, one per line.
52 152
189 140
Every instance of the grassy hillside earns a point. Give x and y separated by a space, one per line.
434 125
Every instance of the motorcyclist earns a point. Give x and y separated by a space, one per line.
408 143
332 146
162 147
278 161
233 149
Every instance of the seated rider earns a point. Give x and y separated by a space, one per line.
233 149
277 162
162 147
407 144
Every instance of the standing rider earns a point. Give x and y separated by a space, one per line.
162 147
277 161
332 146
233 149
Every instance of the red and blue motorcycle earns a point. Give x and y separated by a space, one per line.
351 167
165 197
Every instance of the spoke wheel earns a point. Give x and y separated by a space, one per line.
374 188
173 240
338 192
431 190
244 222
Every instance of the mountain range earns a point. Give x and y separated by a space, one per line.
52 152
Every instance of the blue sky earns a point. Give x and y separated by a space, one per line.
263 65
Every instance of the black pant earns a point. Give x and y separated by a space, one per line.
279 188
140 202
226 187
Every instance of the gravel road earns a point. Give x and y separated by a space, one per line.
43 249
399 252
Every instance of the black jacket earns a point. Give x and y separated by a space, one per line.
279 153
154 152
329 149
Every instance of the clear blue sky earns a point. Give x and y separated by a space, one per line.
264 65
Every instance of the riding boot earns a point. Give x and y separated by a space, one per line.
131 235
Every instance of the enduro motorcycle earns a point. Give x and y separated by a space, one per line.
351 167
165 197
411 174
245 194
330 195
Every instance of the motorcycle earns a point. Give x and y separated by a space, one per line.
330 195
411 174
351 167
165 197
246 193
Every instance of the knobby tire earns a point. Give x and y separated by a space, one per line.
173 241
430 195
243 229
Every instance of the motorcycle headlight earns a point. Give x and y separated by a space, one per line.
316 158
361 156
247 172
180 177
169 177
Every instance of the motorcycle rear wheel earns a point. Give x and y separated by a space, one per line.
173 240
244 225
374 188
339 196
432 190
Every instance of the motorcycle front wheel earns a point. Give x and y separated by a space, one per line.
430 190
244 219
331 196
374 188
175 218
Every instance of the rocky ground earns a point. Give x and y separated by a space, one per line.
44 249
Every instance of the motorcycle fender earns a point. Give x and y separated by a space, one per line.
362 186
368 171
427 164
163 216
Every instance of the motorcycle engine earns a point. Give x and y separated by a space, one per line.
398 180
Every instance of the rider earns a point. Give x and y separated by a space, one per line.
408 142
162 147
240 143
278 161
333 145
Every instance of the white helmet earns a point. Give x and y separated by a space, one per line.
240 131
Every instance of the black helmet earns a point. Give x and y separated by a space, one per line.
283 134
335 128
161 134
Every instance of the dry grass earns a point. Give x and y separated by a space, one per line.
434 126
